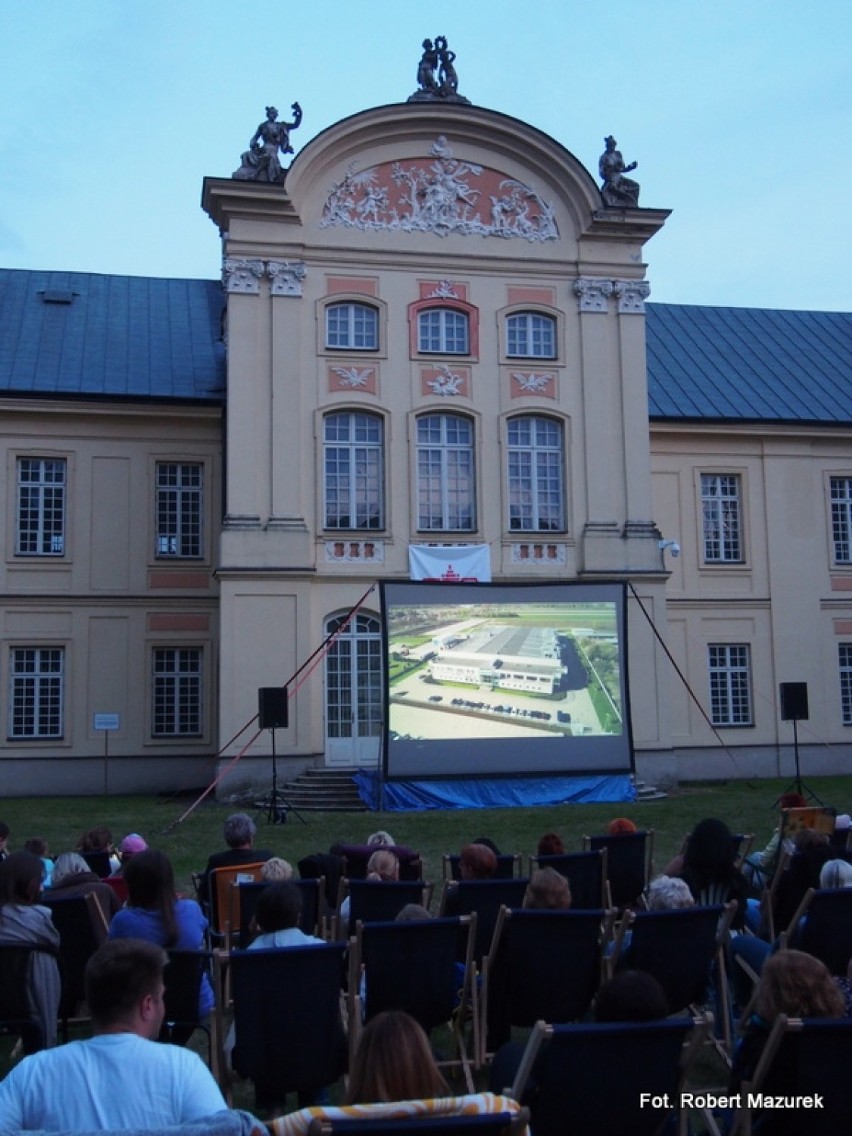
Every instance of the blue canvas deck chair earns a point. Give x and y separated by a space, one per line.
488 1124
484 898
822 926
629 864
586 873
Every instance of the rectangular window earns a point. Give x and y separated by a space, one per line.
445 473
353 457
721 514
844 651
177 692
841 519
352 326
36 692
41 507
535 475
531 335
442 331
729 665
179 506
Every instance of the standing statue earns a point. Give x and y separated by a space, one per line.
261 162
617 190
437 80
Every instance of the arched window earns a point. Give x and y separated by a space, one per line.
446 489
531 335
535 471
443 331
351 327
353 468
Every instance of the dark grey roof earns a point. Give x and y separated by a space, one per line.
749 364
125 336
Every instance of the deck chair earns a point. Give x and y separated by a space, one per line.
488 1124
485 897
629 863
79 938
802 1057
371 901
508 865
356 857
685 951
16 1016
98 863
182 978
742 842
412 967
542 966
585 872
244 902
288 1027
219 889
822 927
326 866
590 1078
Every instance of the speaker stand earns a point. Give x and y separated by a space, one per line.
276 805
797 784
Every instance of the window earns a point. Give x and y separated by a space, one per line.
179 502
177 692
36 690
844 651
841 519
41 507
353 460
353 327
535 475
530 335
720 508
445 473
443 331
730 684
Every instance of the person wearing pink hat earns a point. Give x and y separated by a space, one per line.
128 848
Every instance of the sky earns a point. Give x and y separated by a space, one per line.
114 111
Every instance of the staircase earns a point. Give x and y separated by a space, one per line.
323 790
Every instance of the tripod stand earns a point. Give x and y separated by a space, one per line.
276 804
797 783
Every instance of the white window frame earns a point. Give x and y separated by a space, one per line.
446 473
840 498
534 335
353 471
177 691
535 474
729 672
36 693
179 510
358 332
722 518
438 331
844 658
41 506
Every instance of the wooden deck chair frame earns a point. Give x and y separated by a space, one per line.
194 962
700 1026
767 896
219 889
563 863
424 1124
487 893
832 951
463 926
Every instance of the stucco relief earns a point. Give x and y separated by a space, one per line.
242 275
444 381
594 294
533 382
362 379
442 196
286 277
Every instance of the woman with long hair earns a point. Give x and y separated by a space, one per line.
155 913
23 922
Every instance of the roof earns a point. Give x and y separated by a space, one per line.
81 334
749 364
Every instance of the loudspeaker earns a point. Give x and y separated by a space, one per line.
794 701
272 707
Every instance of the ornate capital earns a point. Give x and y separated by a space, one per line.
242 275
593 294
632 295
286 277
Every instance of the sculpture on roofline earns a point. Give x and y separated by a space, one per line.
436 74
261 161
617 190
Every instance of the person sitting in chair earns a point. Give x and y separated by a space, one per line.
239 833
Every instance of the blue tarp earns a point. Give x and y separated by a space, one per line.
491 793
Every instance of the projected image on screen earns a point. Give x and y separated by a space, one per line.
504 679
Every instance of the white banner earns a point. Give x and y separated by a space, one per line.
450 563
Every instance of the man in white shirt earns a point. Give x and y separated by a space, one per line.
122 1077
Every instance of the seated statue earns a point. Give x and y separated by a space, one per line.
617 190
261 162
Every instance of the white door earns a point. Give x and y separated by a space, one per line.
354 692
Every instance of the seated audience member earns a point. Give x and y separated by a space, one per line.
239 832
73 878
630 996
99 839
548 890
795 984
39 847
276 918
382 867
154 913
668 893
4 839
276 870
835 874
811 852
413 913
24 921
381 838
550 845
130 845
620 826
394 1075
121 1078
709 867
477 862
760 866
